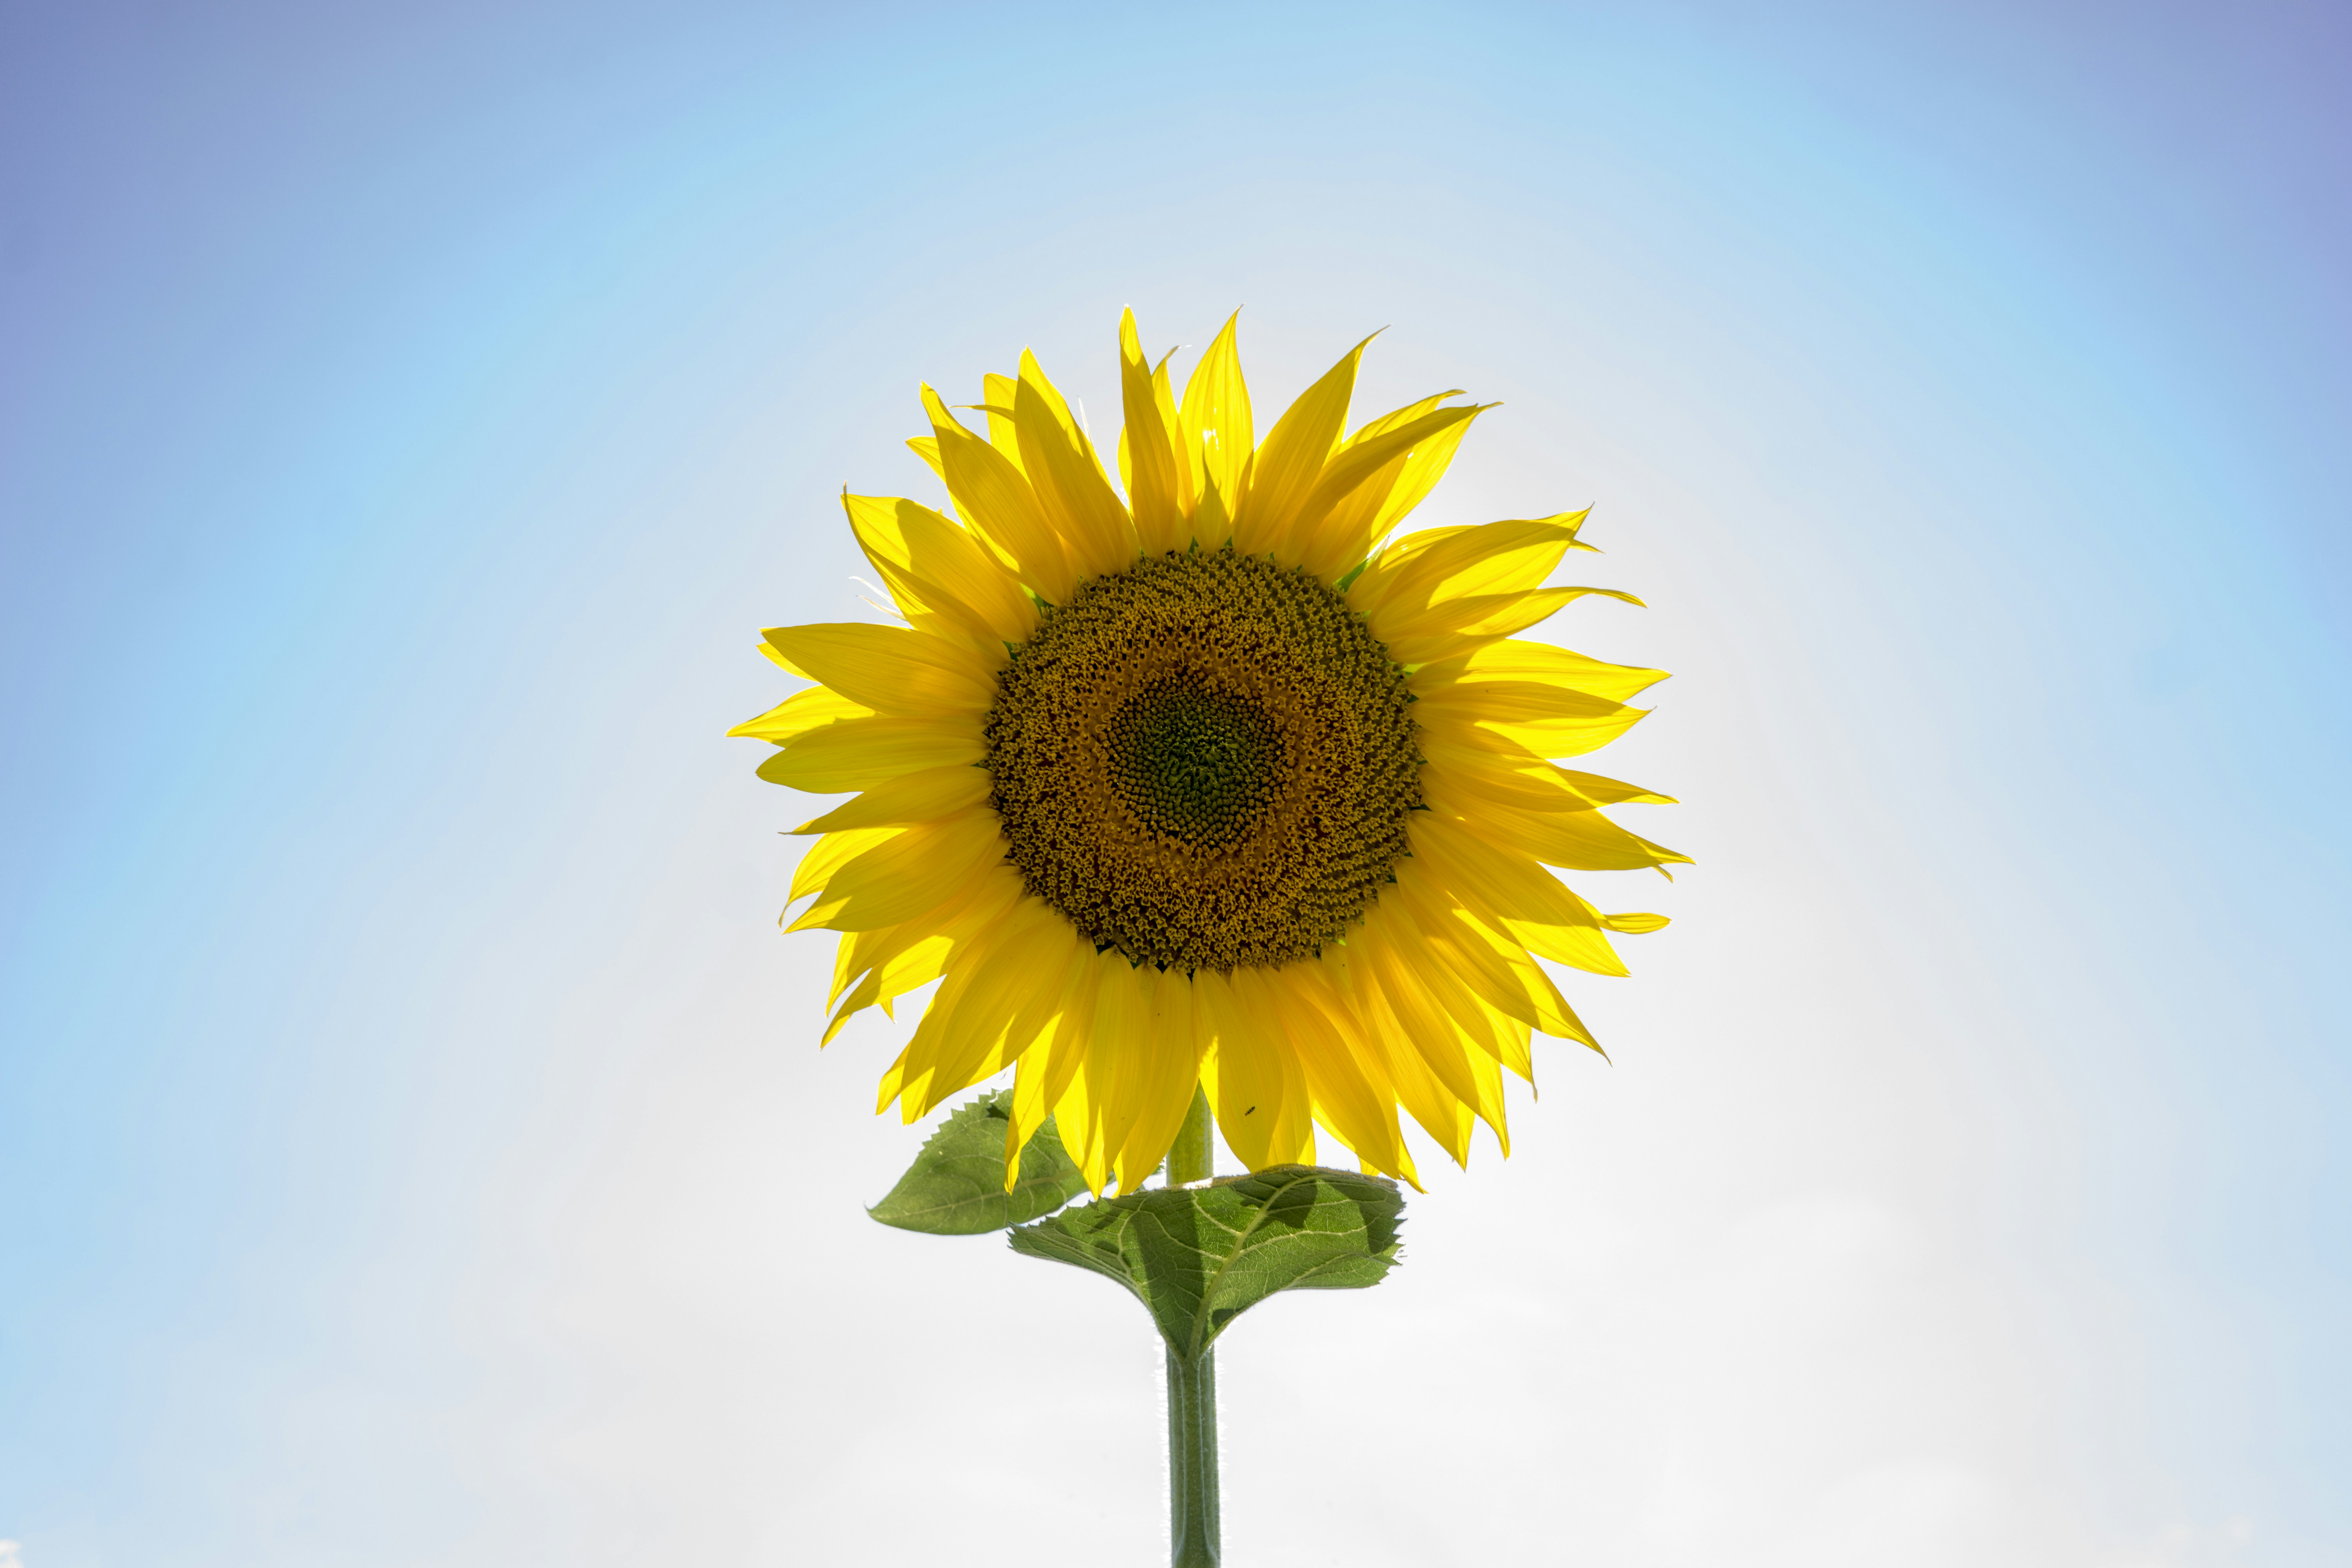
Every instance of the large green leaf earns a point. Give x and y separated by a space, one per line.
956 1185
1198 1256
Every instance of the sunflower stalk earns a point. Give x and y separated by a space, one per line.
1193 1535
1192 1531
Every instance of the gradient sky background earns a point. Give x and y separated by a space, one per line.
412 1145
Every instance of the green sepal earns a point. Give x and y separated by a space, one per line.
956 1185
1198 1256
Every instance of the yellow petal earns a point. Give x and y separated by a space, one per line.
927 449
1514 659
1054 1058
1051 942
1454 627
1514 776
1074 1008
1441 1113
831 853
962 1037
893 1081
1486 1074
1491 1035
891 670
987 1013
1077 1107
1031 1104
1218 439
1373 508
1353 468
918 963
1292 457
1543 720
1423 569
1396 417
1061 463
910 798
1442 1025
1172 422
928 560
992 497
1494 965
1123 1044
1152 454
1163 1088
908 875
1112 1004
884 952
1347 1077
1602 791
996 401
1256 1086
1213 517
1516 893
1028 1109
918 1064
858 754
1576 841
800 712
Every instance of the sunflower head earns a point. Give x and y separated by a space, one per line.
1207 785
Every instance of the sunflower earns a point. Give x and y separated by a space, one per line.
1207 787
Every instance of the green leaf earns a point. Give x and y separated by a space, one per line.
956 1185
1198 1256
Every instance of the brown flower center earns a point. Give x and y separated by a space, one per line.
1204 761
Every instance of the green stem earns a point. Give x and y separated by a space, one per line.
1192 1535
1192 1532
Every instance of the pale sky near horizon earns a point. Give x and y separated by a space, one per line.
413 1147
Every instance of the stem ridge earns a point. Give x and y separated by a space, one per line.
1193 1535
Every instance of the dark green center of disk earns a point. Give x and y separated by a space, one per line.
1192 763
1204 761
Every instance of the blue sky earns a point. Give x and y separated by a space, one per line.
413 1146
